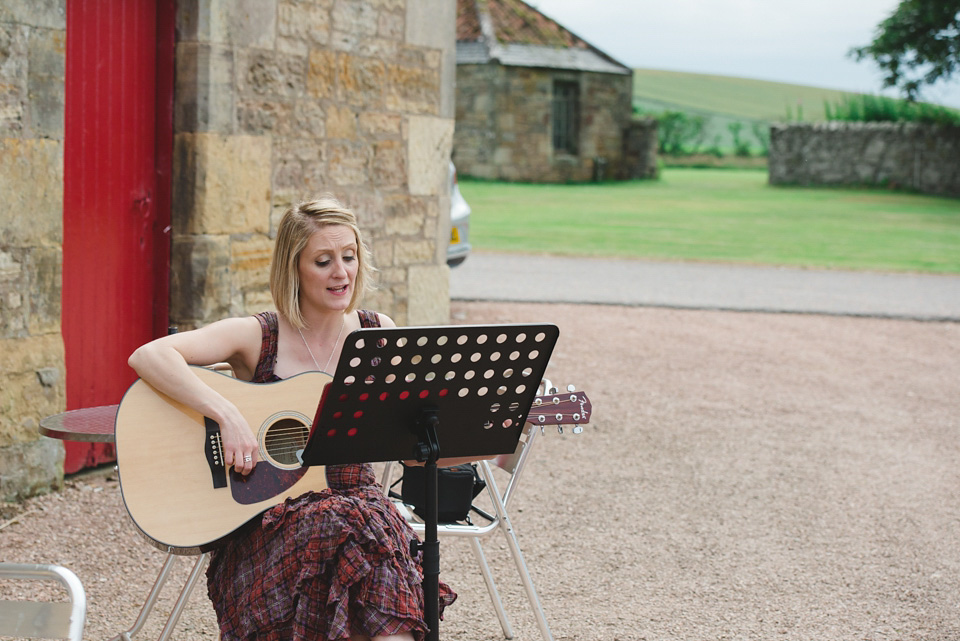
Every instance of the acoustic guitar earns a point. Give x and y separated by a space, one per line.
173 480
172 474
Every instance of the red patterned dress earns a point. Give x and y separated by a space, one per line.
325 565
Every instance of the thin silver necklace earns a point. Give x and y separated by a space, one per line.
332 349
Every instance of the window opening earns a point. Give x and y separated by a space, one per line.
566 116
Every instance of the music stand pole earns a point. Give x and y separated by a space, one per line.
429 452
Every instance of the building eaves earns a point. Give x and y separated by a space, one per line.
515 34
512 55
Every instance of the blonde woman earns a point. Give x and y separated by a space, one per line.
327 565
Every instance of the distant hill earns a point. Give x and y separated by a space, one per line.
740 98
725 99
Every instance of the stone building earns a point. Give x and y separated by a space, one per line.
537 103
258 104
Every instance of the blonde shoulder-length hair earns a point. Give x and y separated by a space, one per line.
297 225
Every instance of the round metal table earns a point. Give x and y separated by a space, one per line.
90 425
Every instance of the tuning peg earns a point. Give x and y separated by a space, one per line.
560 429
552 390
571 388
577 429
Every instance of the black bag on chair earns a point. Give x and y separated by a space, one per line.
457 486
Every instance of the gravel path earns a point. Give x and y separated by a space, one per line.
745 476
692 285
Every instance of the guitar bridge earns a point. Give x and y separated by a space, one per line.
213 451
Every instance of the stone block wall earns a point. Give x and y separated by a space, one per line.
32 63
275 101
278 101
923 158
504 125
640 144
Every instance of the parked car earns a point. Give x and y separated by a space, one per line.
459 247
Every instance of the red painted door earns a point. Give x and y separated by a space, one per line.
117 133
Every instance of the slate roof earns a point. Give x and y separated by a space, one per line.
513 33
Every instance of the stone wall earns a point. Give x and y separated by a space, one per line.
504 125
917 157
640 145
32 62
278 101
275 101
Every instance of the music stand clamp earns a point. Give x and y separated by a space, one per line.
420 393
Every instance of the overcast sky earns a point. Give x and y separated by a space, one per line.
795 42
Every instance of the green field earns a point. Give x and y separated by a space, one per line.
724 99
737 98
720 215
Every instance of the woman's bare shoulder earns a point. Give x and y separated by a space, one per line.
242 323
238 331
222 340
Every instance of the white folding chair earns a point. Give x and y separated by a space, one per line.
499 521
43 619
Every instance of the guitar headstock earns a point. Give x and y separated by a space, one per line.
561 408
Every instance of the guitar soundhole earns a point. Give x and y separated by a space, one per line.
283 438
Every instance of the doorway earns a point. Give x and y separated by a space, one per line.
118 131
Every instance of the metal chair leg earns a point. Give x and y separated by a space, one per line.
150 601
525 578
491 587
174 617
514 545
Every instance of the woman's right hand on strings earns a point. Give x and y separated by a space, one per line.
240 448
165 364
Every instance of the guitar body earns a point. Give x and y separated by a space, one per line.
172 477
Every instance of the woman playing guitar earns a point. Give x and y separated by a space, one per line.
330 564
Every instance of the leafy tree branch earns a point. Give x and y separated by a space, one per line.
917 45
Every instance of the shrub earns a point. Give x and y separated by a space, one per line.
741 147
871 108
799 115
761 131
680 133
715 149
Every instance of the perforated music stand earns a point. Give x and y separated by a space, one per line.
422 392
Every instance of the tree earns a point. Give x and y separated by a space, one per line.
917 45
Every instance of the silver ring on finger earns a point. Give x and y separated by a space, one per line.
247 458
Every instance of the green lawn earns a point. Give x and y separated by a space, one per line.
719 215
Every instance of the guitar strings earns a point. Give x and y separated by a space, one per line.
285 441
301 434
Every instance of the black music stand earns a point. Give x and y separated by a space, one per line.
422 392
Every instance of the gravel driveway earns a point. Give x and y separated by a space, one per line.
745 476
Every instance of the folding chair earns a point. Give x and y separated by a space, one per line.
43 619
512 464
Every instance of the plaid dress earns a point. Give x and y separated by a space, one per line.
323 566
